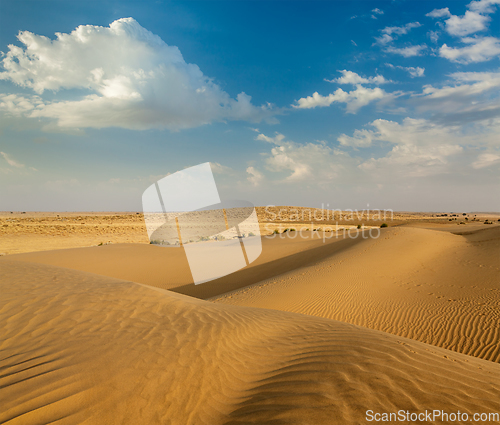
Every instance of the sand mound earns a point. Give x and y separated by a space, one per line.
81 348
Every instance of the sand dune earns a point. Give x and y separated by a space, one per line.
434 287
428 285
81 348
167 267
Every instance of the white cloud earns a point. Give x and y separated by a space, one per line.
486 160
303 162
413 71
134 80
401 30
474 20
439 13
376 12
349 77
470 97
360 138
434 36
11 161
407 52
255 176
275 140
470 23
354 99
384 39
483 6
420 148
481 82
17 106
478 50
389 34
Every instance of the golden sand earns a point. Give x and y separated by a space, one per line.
312 332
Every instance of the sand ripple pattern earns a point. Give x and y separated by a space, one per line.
430 286
78 348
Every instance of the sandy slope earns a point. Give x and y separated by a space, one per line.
431 286
167 267
428 285
82 348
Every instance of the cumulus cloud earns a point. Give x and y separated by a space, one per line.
478 49
360 138
484 6
474 20
133 80
354 99
439 13
349 77
303 162
420 148
17 106
470 23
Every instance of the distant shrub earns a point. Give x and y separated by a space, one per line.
359 226
384 225
276 232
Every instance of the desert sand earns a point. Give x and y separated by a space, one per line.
313 332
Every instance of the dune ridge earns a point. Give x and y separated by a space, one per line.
81 348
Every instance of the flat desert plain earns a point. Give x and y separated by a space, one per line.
100 327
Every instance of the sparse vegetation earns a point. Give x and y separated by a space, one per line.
384 225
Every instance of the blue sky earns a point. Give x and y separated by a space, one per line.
394 104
